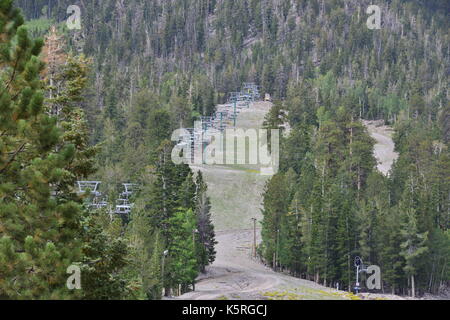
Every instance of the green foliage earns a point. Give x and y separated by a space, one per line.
156 67
171 236
104 258
182 261
40 217
205 248
344 207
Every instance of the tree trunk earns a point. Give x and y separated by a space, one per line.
167 291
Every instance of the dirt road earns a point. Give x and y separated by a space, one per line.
236 275
236 198
384 147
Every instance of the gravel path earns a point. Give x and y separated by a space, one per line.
236 197
384 147
236 275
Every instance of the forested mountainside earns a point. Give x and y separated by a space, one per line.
192 53
156 65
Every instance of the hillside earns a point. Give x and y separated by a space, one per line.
236 197
88 178
235 190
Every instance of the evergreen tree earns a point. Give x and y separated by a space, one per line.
145 249
206 235
275 206
182 268
413 246
40 229
154 281
104 258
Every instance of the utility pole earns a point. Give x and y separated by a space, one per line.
277 248
254 237
194 231
234 118
162 270
203 146
358 263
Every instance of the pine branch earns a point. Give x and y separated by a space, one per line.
12 158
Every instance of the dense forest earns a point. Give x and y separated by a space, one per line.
181 57
101 103
45 147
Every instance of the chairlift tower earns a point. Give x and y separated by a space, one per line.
93 187
252 90
83 186
129 190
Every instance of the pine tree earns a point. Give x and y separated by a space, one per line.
39 231
144 254
154 281
187 193
165 196
69 76
205 227
275 119
290 244
413 246
104 258
275 206
182 267
55 57
392 261
66 79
